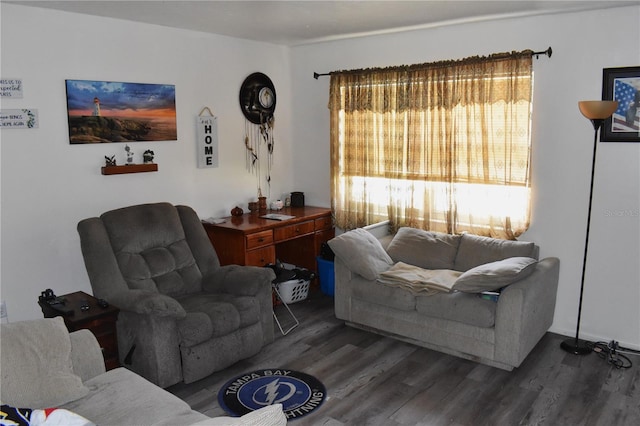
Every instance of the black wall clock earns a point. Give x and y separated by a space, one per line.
258 98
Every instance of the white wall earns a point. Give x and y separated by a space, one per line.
49 185
583 44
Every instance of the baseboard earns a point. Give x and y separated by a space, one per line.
595 338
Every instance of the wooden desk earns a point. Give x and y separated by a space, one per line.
101 322
250 240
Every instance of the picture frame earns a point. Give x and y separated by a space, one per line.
623 85
106 111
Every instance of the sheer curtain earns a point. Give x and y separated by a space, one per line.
442 146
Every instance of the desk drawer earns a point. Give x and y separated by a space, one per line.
293 231
324 223
261 256
259 239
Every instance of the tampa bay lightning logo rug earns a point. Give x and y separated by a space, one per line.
299 393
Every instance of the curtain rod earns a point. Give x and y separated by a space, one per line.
547 52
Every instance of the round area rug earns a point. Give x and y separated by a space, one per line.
299 393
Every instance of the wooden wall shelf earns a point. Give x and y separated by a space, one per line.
132 168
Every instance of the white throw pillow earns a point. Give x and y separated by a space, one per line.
426 249
271 415
361 252
495 275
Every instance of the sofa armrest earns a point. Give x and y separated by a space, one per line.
343 289
86 355
239 280
149 345
148 303
525 312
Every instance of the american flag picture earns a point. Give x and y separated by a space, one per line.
627 117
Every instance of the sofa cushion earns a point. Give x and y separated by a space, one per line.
361 252
195 328
475 250
171 270
121 397
461 307
151 248
36 364
224 316
495 275
380 294
426 249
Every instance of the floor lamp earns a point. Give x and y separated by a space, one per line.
597 112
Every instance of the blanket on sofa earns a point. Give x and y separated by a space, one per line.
419 281
48 417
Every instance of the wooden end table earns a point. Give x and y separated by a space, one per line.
100 321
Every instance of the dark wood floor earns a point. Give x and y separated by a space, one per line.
374 380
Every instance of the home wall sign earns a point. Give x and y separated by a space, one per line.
207 134
19 118
105 111
11 88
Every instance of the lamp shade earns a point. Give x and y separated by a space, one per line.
597 110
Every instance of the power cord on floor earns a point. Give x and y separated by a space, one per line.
628 351
613 353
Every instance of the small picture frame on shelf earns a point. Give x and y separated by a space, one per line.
622 85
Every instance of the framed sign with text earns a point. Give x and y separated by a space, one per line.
19 118
11 88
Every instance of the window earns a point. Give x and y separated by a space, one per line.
443 146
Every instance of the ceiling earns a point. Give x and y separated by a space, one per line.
301 22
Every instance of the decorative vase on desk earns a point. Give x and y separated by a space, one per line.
262 204
237 211
253 207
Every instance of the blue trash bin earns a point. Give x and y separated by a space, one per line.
327 276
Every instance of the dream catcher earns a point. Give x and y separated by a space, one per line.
258 102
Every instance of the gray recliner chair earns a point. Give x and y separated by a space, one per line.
182 315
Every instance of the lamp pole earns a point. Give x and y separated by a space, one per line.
597 112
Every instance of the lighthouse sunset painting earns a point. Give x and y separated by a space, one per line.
104 111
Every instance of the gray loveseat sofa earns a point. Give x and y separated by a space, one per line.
45 366
460 322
